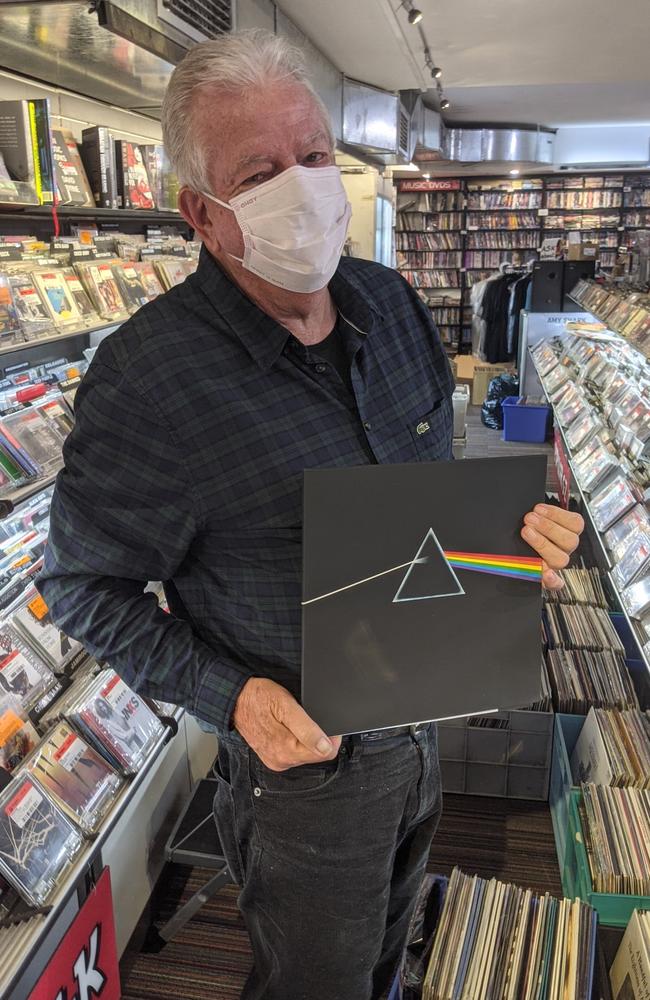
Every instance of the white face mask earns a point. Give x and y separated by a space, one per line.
294 227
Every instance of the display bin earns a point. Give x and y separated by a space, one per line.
511 762
613 910
524 423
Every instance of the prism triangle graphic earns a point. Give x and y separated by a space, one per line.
429 575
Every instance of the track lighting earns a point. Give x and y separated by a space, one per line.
444 104
436 72
415 15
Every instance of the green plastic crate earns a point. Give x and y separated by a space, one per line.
614 910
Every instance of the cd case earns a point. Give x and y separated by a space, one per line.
34 621
23 673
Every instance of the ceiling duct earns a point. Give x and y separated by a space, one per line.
498 145
376 123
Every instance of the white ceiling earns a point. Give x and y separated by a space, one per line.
557 62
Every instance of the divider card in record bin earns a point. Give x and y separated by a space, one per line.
420 598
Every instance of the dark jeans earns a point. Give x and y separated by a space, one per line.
329 858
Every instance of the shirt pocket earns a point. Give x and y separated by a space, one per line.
432 432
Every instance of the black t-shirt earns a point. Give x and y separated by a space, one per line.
332 350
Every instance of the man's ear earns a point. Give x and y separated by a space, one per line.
194 210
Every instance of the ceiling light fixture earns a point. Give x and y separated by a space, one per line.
444 104
514 173
427 177
415 15
436 72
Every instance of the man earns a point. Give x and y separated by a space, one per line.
193 427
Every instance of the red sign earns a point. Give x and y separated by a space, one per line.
424 185
562 468
84 966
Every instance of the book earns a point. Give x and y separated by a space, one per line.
34 622
154 161
74 776
72 183
16 140
630 971
98 156
58 300
37 841
133 182
39 121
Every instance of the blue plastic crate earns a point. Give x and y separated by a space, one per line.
524 423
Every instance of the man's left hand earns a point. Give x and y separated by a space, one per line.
554 533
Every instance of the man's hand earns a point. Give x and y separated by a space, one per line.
278 729
554 533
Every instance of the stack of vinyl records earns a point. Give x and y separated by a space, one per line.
497 941
630 972
616 827
111 718
584 653
613 748
581 586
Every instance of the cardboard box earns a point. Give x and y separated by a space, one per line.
582 251
483 374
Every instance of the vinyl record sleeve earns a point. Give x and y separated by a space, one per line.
75 776
420 599
34 621
36 840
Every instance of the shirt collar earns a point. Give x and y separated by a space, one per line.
262 336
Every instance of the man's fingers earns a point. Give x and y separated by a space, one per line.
564 538
551 580
565 518
554 557
306 731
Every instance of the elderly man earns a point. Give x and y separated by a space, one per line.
194 425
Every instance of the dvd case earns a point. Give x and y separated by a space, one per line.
34 621
33 317
149 279
22 673
17 735
75 776
56 296
131 286
37 841
87 314
99 281
117 721
35 437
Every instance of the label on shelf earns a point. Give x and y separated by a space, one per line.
542 211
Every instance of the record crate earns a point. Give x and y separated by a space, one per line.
512 761
614 909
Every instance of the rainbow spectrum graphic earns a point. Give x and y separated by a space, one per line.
517 567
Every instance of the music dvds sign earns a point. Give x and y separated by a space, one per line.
441 184
85 965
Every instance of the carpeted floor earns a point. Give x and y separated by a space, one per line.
509 839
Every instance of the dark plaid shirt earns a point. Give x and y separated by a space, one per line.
194 424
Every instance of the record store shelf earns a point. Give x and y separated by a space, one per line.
20 943
93 332
601 551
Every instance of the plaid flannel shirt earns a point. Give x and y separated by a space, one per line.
194 424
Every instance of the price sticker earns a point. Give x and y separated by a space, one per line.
22 807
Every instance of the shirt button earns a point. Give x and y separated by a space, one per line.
321 369
367 425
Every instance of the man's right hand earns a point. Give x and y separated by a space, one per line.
278 729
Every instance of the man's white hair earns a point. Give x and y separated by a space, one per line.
232 63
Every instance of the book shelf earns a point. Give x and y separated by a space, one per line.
451 233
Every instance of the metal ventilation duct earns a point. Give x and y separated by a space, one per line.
498 145
376 123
